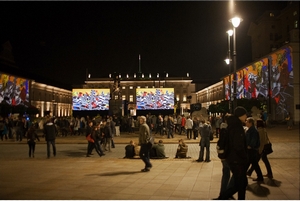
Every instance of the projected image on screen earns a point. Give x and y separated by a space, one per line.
154 98
90 99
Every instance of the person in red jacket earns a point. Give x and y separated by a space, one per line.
183 121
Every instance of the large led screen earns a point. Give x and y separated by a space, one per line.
90 99
14 90
154 98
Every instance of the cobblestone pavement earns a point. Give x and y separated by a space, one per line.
71 175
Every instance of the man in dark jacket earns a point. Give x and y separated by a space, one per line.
50 134
237 154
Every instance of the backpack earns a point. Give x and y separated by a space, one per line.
223 143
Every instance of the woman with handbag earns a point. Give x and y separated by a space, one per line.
263 150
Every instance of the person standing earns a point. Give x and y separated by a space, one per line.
170 126
196 127
19 129
31 138
205 142
144 138
108 135
189 127
183 121
237 157
179 119
253 143
218 122
159 127
50 134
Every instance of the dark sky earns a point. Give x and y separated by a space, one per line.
63 39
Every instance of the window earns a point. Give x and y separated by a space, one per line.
131 98
177 97
295 13
123 97
123 87
146 86
116 97
271 14
296 24
138 87
184 98
131 87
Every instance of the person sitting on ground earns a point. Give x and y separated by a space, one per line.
158 150
129 150
182 149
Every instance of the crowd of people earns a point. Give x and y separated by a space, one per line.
240 146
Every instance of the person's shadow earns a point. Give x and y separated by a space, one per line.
261 191
115 173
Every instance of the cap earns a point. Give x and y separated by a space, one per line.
240 111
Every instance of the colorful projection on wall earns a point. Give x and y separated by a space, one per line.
281 80
154 98
256 79
272 75
90 99
14 90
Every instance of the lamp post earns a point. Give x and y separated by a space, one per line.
235 22
228 62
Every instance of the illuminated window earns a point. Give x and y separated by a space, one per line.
184 98
131 87
123 97
177 97
116 97
271 14
123 87
295 13
296 24
138 87
131 98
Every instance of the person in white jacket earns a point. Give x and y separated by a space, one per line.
189 127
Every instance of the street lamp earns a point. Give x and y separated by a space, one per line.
235 22
228 62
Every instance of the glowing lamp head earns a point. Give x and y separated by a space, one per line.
236 21
229 32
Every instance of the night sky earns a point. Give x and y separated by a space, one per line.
61 40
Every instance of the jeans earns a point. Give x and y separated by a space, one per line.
226 181
240 182
253 159
31 146
264 158
204 143
108 142
51 142
145 155
189 133
170 133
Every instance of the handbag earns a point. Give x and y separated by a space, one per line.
268 148
150 142
89 138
